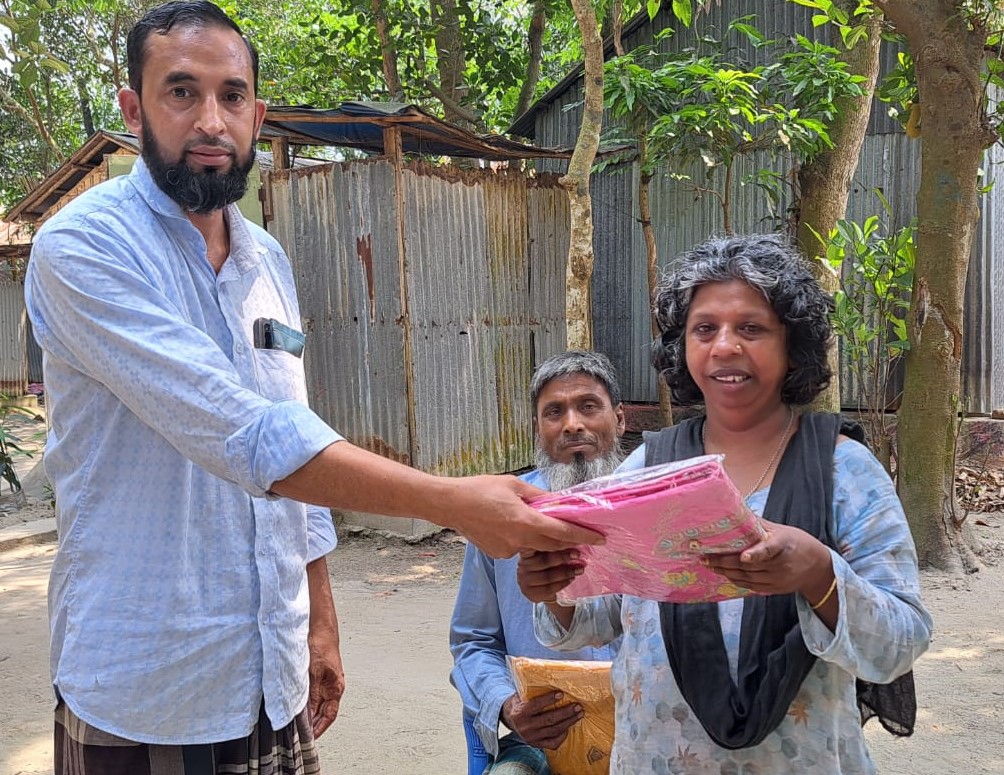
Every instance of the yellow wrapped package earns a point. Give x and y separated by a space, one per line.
586 750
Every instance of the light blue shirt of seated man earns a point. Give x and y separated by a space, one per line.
578 420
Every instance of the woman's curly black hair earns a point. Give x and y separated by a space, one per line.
769 264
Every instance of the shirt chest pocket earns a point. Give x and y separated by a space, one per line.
280 376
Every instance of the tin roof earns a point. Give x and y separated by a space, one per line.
352 124
362 125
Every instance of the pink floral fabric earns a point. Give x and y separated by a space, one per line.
658 522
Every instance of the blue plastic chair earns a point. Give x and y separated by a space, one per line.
477 757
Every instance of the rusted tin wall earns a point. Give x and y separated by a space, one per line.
620 282
34 354
547 246
13 362
338 224
466 254
983 333
425 354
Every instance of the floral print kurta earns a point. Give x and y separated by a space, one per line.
883 627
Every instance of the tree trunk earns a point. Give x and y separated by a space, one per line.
117 67
87 116
579 274
535 41
825 181
726 199
451 59
948 56
617 25
652 256
390 73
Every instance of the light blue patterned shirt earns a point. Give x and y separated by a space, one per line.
882 628
178 594
492 618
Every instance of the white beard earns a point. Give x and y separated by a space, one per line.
561 476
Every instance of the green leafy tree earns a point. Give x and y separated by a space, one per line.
62 62
10 444
705 106
954 50
875 262
825 179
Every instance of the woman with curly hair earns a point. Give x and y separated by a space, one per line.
781 681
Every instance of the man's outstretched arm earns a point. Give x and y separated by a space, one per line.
489 510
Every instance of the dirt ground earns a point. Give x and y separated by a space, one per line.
400 715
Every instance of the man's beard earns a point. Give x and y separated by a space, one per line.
561 476
197 192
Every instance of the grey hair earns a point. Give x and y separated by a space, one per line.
594 364
769 264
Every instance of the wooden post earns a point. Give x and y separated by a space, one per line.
392 149
280 153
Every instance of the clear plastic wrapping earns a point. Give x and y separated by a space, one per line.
658 522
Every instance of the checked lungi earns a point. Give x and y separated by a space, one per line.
80 749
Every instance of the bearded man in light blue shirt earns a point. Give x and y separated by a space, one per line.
193 627
578 421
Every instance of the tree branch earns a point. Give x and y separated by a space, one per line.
387 53
535 41
453 106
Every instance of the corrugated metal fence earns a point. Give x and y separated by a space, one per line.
428 297
13 364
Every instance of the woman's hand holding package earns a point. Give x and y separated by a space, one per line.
542 575
787 560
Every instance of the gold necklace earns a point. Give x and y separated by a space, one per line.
773 458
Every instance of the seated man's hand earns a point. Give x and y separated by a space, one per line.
540 721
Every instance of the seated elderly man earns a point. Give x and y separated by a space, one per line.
578 421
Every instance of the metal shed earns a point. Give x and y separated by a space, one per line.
429 293
14 247
890 162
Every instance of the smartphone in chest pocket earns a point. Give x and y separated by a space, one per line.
270 334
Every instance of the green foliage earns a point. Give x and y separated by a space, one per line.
876 265
10 445
831 13
682 10
709 104
62 62
899 87
312 53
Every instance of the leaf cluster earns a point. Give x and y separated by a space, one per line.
834 14
62 62
876 263
710 103
10 444
899 89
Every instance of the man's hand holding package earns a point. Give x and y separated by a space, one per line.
541 721
492 512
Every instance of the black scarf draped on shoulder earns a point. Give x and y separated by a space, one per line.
773 659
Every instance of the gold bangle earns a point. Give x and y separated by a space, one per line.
827 596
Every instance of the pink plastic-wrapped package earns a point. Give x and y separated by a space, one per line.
658 522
